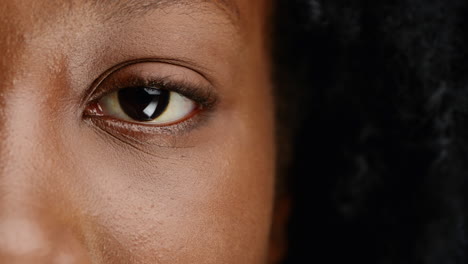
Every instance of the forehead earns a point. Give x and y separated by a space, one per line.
40 10
23 19
37 22
81 36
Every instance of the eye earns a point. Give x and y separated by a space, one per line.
149 105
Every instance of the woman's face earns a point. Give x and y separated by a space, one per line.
135 131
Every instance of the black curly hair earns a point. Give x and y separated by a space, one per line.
381 145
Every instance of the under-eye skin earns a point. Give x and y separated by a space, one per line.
150 98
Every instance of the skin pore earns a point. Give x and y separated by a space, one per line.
79 184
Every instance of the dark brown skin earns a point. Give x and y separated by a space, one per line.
79 186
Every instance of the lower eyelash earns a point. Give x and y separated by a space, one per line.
148 134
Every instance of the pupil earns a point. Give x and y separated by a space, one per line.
143 103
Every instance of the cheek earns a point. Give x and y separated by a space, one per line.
210 203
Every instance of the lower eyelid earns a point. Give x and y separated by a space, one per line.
152 146
143 134
136 137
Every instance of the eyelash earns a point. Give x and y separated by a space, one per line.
198 93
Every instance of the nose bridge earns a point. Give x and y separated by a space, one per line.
12 47
24 160
35 214
36 217
12 41
26 120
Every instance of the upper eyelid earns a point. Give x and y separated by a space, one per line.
203 72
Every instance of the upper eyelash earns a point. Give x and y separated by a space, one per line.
90 94
199 94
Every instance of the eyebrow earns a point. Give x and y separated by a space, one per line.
127 9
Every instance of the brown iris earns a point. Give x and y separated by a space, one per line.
143 103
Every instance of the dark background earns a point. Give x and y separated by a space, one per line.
381 99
